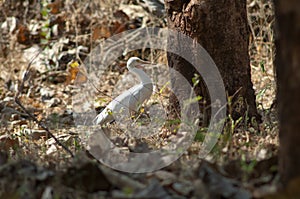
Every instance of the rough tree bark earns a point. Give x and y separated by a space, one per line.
287 64
221 28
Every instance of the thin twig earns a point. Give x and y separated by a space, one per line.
17 100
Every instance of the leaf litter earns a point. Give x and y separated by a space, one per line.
33 165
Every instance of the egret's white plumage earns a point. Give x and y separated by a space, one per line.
131 99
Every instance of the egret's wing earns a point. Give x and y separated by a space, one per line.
124 103
141 93
119 105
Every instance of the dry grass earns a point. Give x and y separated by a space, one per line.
82 19
261 49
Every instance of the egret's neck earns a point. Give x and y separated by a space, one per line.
145 79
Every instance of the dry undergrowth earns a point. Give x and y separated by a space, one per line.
48 93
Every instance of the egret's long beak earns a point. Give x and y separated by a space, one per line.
142 62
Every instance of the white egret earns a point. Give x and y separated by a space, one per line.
131 99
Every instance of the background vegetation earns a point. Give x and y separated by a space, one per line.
51 35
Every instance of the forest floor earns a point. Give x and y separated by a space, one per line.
53 39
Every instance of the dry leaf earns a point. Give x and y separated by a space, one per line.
76 74
6 142
55 6
23 35
119 27
100 32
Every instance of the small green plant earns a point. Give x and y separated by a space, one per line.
247 167
262 66
128 191
76 143
196 79
200 135
46 29
229 129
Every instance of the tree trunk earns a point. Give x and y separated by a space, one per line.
287 64
221 28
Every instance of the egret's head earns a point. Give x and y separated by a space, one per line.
135 62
